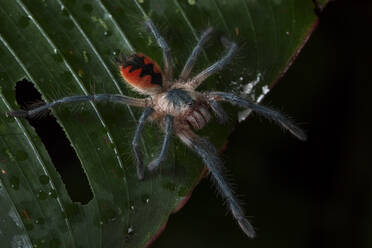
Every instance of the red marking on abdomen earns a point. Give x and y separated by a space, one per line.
133 77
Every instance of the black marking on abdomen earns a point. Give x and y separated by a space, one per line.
148 69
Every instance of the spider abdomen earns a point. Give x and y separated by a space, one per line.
142 73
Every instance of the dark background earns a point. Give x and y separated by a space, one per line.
299 194
312 194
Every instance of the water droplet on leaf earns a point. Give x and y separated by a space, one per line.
192 2
39 221
52 193
21 156
42 195
44 179
14 182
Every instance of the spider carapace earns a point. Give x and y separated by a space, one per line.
179 109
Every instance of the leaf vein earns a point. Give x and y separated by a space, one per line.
32 145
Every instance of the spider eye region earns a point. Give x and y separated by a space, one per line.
179 97
142 73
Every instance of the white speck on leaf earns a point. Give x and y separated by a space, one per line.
247 89
265 89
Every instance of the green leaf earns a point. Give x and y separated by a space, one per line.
67 47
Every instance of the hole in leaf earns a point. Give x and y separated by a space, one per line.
56 143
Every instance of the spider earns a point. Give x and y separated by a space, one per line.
179 109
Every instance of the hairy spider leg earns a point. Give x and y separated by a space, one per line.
167 56
198 79
72 99
137 153
219 112
262 110
164 149
195 53
208 154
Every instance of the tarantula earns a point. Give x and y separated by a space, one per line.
178 108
